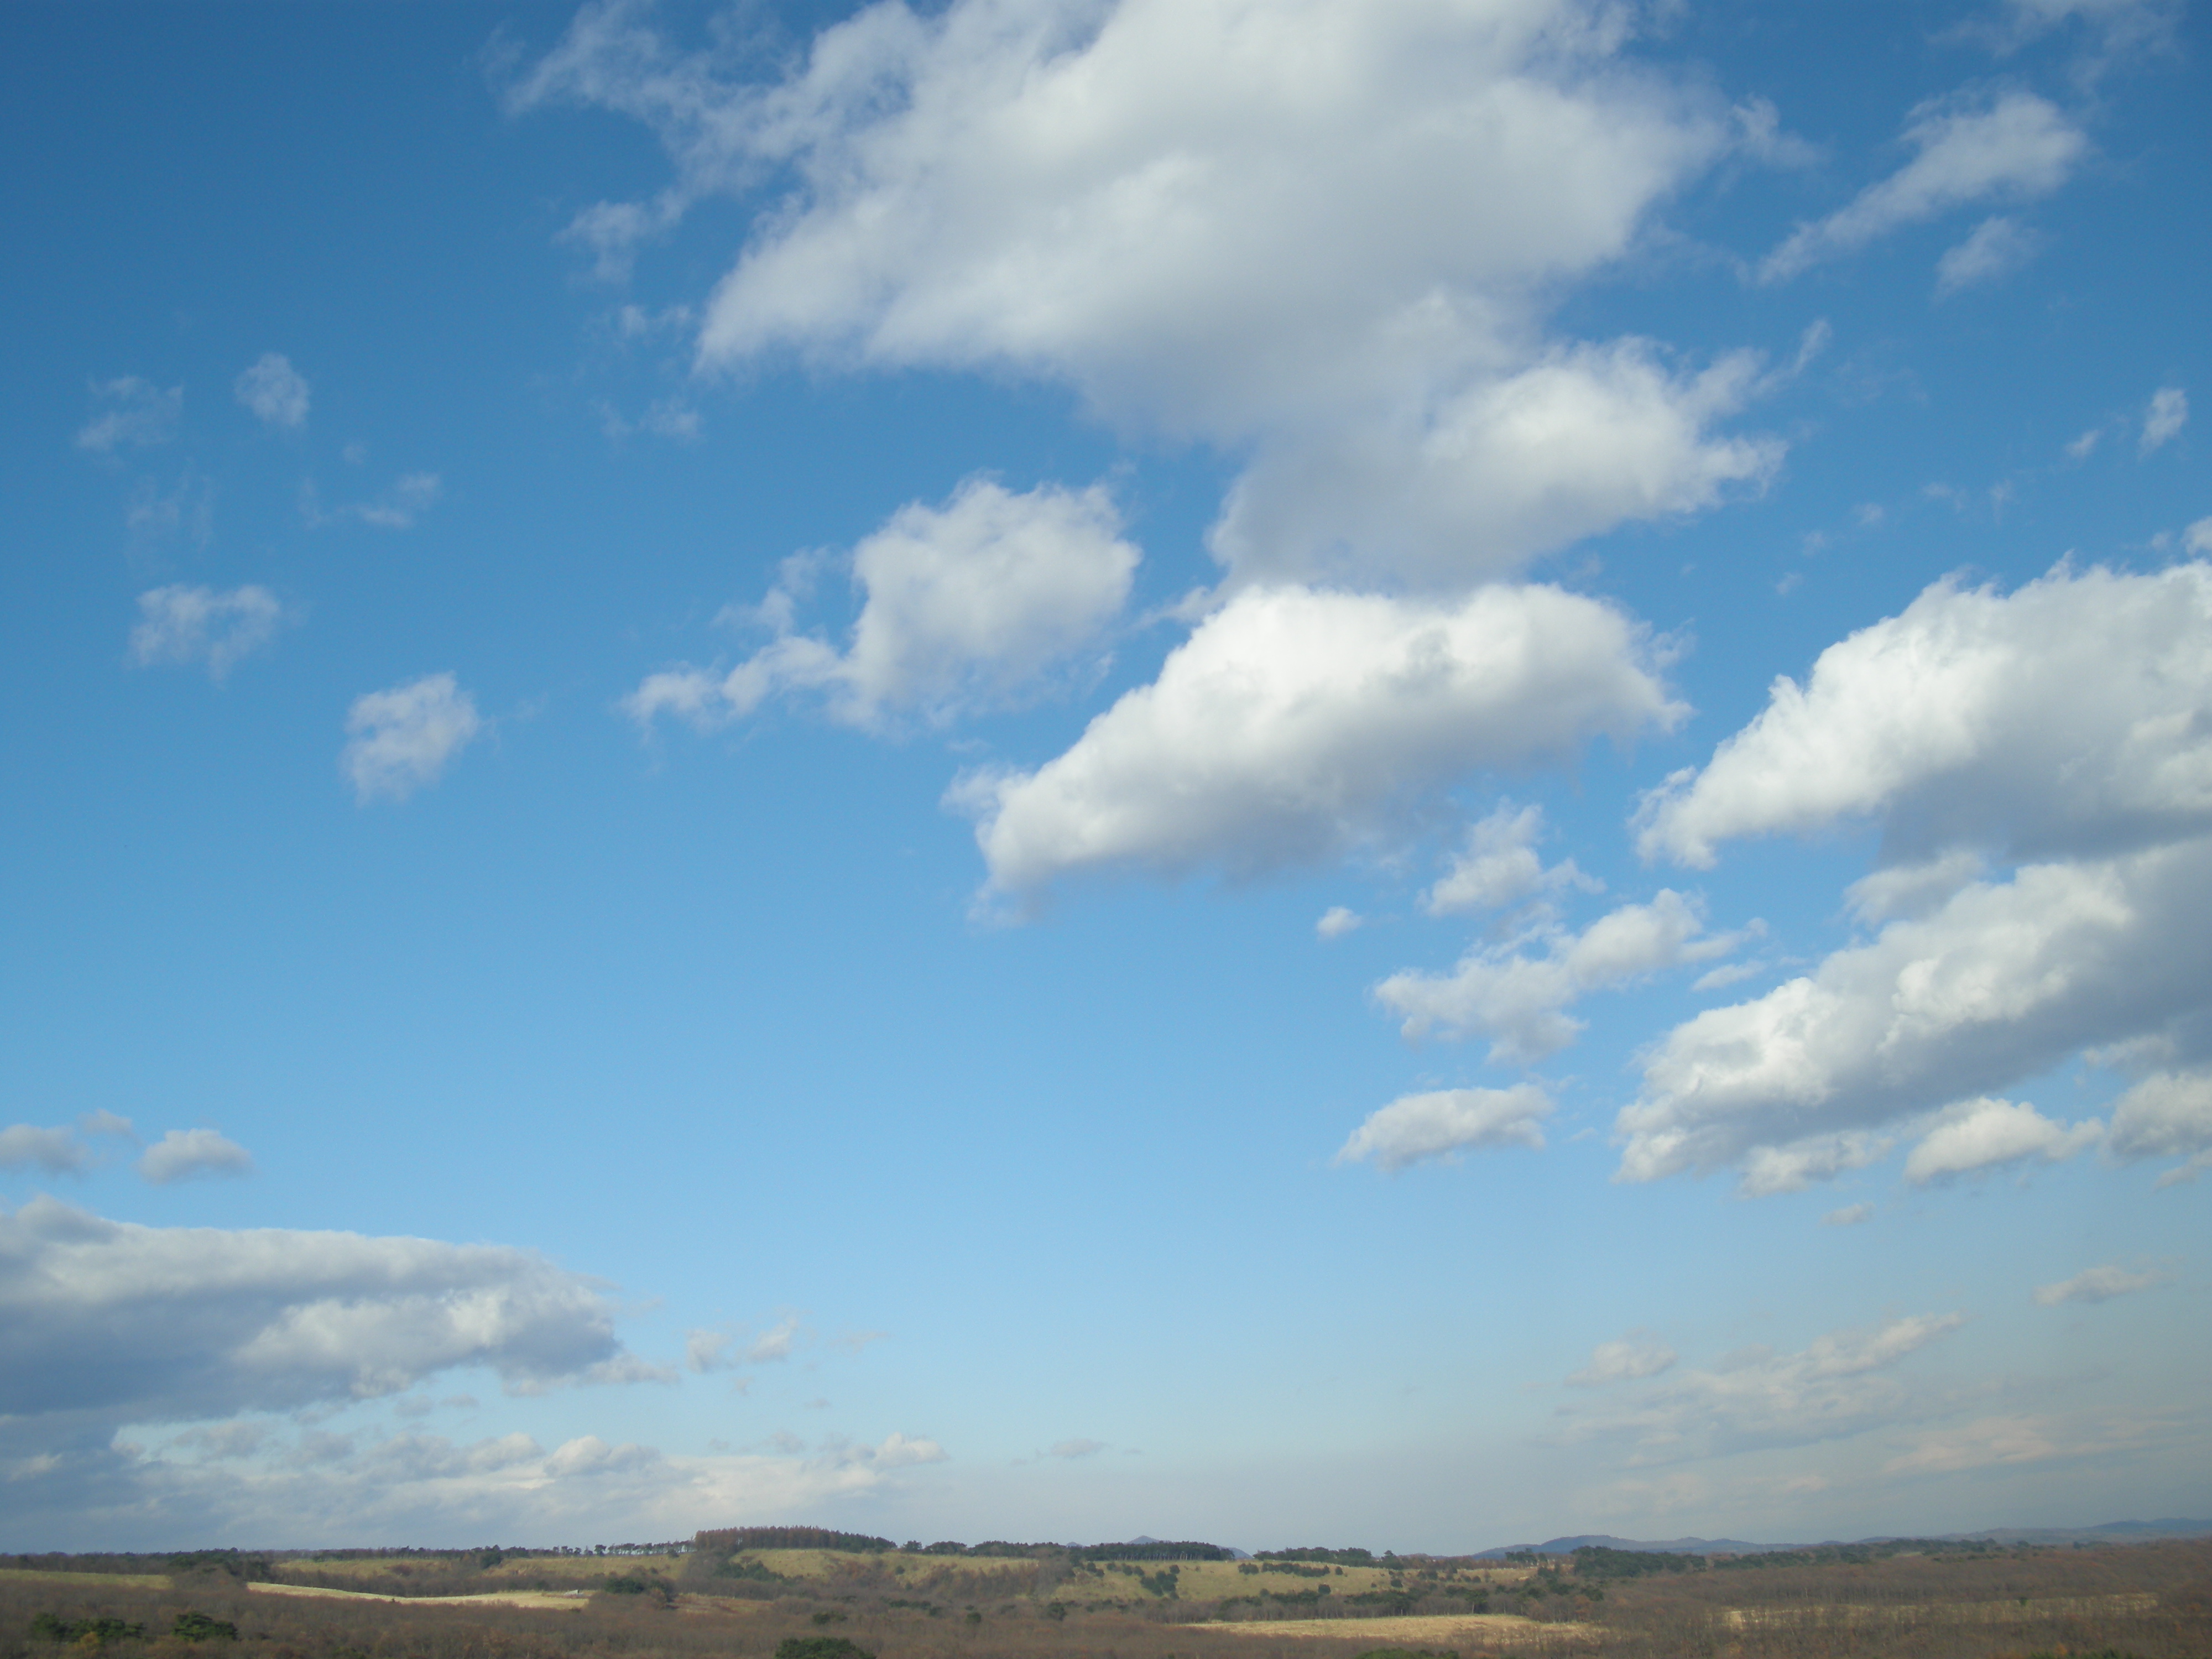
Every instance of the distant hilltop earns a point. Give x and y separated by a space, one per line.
2113 1532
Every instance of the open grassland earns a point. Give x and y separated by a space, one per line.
2148 1601
568 1600
127 1580
1484 1631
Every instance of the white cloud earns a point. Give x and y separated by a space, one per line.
185 624
1990 1441
409 497
1840 1385
2096 1285
140 414
219 1442
897 1451
2063 717
2163 421
2121 25
154 1324
1633 1357
2002 981
775 1343
1324 233
1182 207
1851 1215
1913 890
1415 1128
182 1154
706 1351
2167 1115
1995 248
186 511
2197 538
396 508
2080 448
1071 1449
56 1150
2063 725
1337 921
968 606
403 737
589 1454
2020 145
1294 725
1768 1170
665 417
1499 866
216 1478
276 392
1483 480
1520 1000
1728 973
1975 1135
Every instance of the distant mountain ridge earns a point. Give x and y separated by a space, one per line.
2113 1532
1649 1545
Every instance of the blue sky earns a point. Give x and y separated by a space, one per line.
1418 774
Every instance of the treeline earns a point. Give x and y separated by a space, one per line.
735 1541
1822 1555
1601 1561
728 1540
498 1552
1333 1558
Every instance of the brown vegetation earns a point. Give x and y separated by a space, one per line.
2149 1601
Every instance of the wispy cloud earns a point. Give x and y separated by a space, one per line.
2097 1285
2017 145
187 624
138 412
2163 421
1840 1385
395 508
1631 1359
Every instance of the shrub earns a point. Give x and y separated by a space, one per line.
198 1627
820 1647
101 1629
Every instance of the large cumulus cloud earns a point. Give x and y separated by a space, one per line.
2064 730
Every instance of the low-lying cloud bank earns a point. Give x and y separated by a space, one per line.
143 1323
159 1384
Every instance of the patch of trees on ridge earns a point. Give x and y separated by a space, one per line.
727 1540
